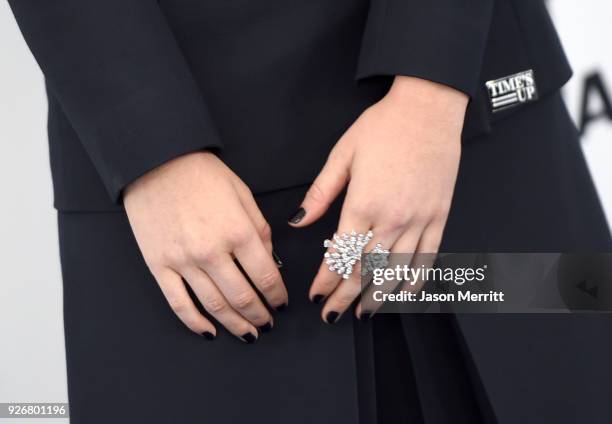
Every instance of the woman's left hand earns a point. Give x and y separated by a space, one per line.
400 160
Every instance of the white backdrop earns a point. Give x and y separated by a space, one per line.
32 365
586 32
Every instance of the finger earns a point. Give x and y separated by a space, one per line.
348 290
325 188
217 306
259 221
341 298
425 256
254 213
176 294
237 290
323 284
326 281
263 272
402 253
431 238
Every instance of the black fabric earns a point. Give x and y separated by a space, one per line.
442 40
527 188
115 70
267 84
448 389
125 347
271 86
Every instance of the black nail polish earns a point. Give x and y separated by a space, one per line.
277 259
265 328
208 335
317 298
281 308
249 338
332 317
297 217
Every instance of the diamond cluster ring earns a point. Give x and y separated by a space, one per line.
348 249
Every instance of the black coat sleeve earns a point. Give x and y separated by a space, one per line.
120 77
437 40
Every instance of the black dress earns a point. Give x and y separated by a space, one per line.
134 84
125 348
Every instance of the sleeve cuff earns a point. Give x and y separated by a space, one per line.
439 40
147 130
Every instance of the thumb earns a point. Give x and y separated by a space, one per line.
325 188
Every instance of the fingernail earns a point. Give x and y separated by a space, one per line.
249 338
265 328
281 308
208 335
317 298
277 259
365 316
332 317
297 217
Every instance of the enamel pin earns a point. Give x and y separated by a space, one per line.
512 90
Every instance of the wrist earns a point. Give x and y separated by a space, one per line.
180 164
417 94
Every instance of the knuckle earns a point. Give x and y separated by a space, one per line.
362 210
316 194
338 153
384 232
258 318
191 322
421 218
442 212
327 285
240 236
203 254
155 266
266 232
214 304
397 218
179 305
438 222
345 300
245 189
244 299
435 213
174 257
334 153
268 282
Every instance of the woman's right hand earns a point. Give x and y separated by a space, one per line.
191 217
